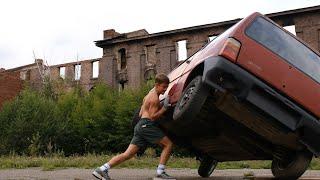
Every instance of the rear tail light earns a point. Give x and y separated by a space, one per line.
230 49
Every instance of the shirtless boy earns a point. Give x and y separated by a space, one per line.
146 131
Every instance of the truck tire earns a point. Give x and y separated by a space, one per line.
207 166
191 100
292 167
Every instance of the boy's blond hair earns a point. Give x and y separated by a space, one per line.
161 78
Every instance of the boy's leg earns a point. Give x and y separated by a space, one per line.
136 142
102 172
166 143
151 133
129 153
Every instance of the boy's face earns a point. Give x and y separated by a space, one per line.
161 88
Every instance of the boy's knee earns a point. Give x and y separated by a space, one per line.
168 144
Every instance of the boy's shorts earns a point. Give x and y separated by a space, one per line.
146 132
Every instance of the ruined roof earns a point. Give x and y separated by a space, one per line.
75 63
28 66
123 37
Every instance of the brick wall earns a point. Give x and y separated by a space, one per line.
159 51
10 86
86 80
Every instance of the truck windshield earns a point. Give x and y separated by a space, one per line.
283 44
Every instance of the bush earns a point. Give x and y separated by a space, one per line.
29 119
72 122
92 120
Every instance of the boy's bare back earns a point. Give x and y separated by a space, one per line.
150 105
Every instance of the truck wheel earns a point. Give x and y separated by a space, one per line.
191 100
291 167
207 166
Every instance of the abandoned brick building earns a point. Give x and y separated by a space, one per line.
131 58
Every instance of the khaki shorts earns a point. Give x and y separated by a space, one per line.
146 132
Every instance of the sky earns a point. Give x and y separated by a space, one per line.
61 31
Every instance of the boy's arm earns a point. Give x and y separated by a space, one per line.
155 111
140 113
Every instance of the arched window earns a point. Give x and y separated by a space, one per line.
123 58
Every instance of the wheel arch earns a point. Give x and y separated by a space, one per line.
197 71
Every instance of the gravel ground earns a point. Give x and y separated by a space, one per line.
186 174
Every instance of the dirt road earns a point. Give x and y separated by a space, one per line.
186 174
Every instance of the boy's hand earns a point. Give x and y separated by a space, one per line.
166 102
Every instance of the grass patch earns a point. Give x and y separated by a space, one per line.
91 161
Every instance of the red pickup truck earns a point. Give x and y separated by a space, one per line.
252 93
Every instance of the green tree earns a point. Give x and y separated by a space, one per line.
29 115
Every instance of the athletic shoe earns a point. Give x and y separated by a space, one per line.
164 175
99 174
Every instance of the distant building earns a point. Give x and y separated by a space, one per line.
132 58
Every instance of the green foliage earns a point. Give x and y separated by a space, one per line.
29 119
92 118
73 122
147 161
69 122
89 161
127 103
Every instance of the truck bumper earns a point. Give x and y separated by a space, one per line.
225 76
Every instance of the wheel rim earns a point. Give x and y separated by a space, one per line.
186 97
